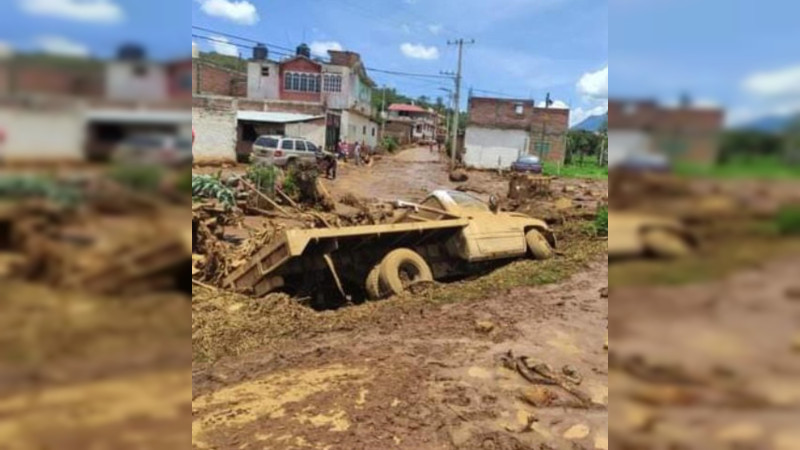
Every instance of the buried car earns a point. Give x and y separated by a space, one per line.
527 163
449 234
632 235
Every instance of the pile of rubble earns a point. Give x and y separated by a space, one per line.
544 197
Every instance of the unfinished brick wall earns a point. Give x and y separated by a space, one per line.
210 79
36 79
545 126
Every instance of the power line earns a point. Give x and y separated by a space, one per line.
240 38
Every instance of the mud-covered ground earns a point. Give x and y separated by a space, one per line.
80 372
428 371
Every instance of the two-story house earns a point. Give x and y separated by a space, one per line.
501 130
340 85
423 121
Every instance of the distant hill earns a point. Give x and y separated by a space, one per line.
770 124
592 123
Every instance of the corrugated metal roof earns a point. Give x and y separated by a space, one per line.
138 116
274 117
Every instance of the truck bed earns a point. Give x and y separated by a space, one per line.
295 242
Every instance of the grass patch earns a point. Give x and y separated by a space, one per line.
788 220
601 221
576 171
713 263
766 168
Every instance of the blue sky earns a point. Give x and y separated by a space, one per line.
743 55
524 48
95 27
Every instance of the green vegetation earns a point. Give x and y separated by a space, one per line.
390 144
142 178
263 178
601 222
290 186
788 220
228 62
184 182
22 187
576 171
744 167
210 186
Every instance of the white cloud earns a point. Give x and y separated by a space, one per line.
223 47
241 12
320 48
557 104
580 114
100 11
57 45
435 28
594 84
419 51
776 83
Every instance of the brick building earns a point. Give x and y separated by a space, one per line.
684 132
500 130
211 79
423 122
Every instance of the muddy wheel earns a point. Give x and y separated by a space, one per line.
402 268
665 244
373 283
538 245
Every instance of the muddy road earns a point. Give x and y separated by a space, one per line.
432 378
457 366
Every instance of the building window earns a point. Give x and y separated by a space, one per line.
373 131
332 83
264 71
185 81
301 82
519 109
364 132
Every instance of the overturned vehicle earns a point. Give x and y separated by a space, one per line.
449 235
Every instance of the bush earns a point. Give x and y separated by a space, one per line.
601 221
184 183
788 220
390 144
290 186
138 178
263 178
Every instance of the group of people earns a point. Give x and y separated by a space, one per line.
357 151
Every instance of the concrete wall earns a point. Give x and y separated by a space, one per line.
314 131
42 135
353 126
487 148
263 87
622 144
124 82
215 132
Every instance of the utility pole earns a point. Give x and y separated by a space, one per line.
457 94
383 113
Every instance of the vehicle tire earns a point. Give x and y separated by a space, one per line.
401 268
665 244
373 283
538 246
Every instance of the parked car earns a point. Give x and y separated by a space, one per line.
645 162
158 149
527 163
284 151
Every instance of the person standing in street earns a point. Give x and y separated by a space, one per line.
357 153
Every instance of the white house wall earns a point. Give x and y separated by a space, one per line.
488 148
313 131
215 135
261 87
42 135
622 144
352 129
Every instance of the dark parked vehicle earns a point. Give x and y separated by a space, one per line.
645 162
527 163
154 149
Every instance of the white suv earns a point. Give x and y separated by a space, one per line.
284 151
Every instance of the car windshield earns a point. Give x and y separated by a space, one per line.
467 201
529 159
